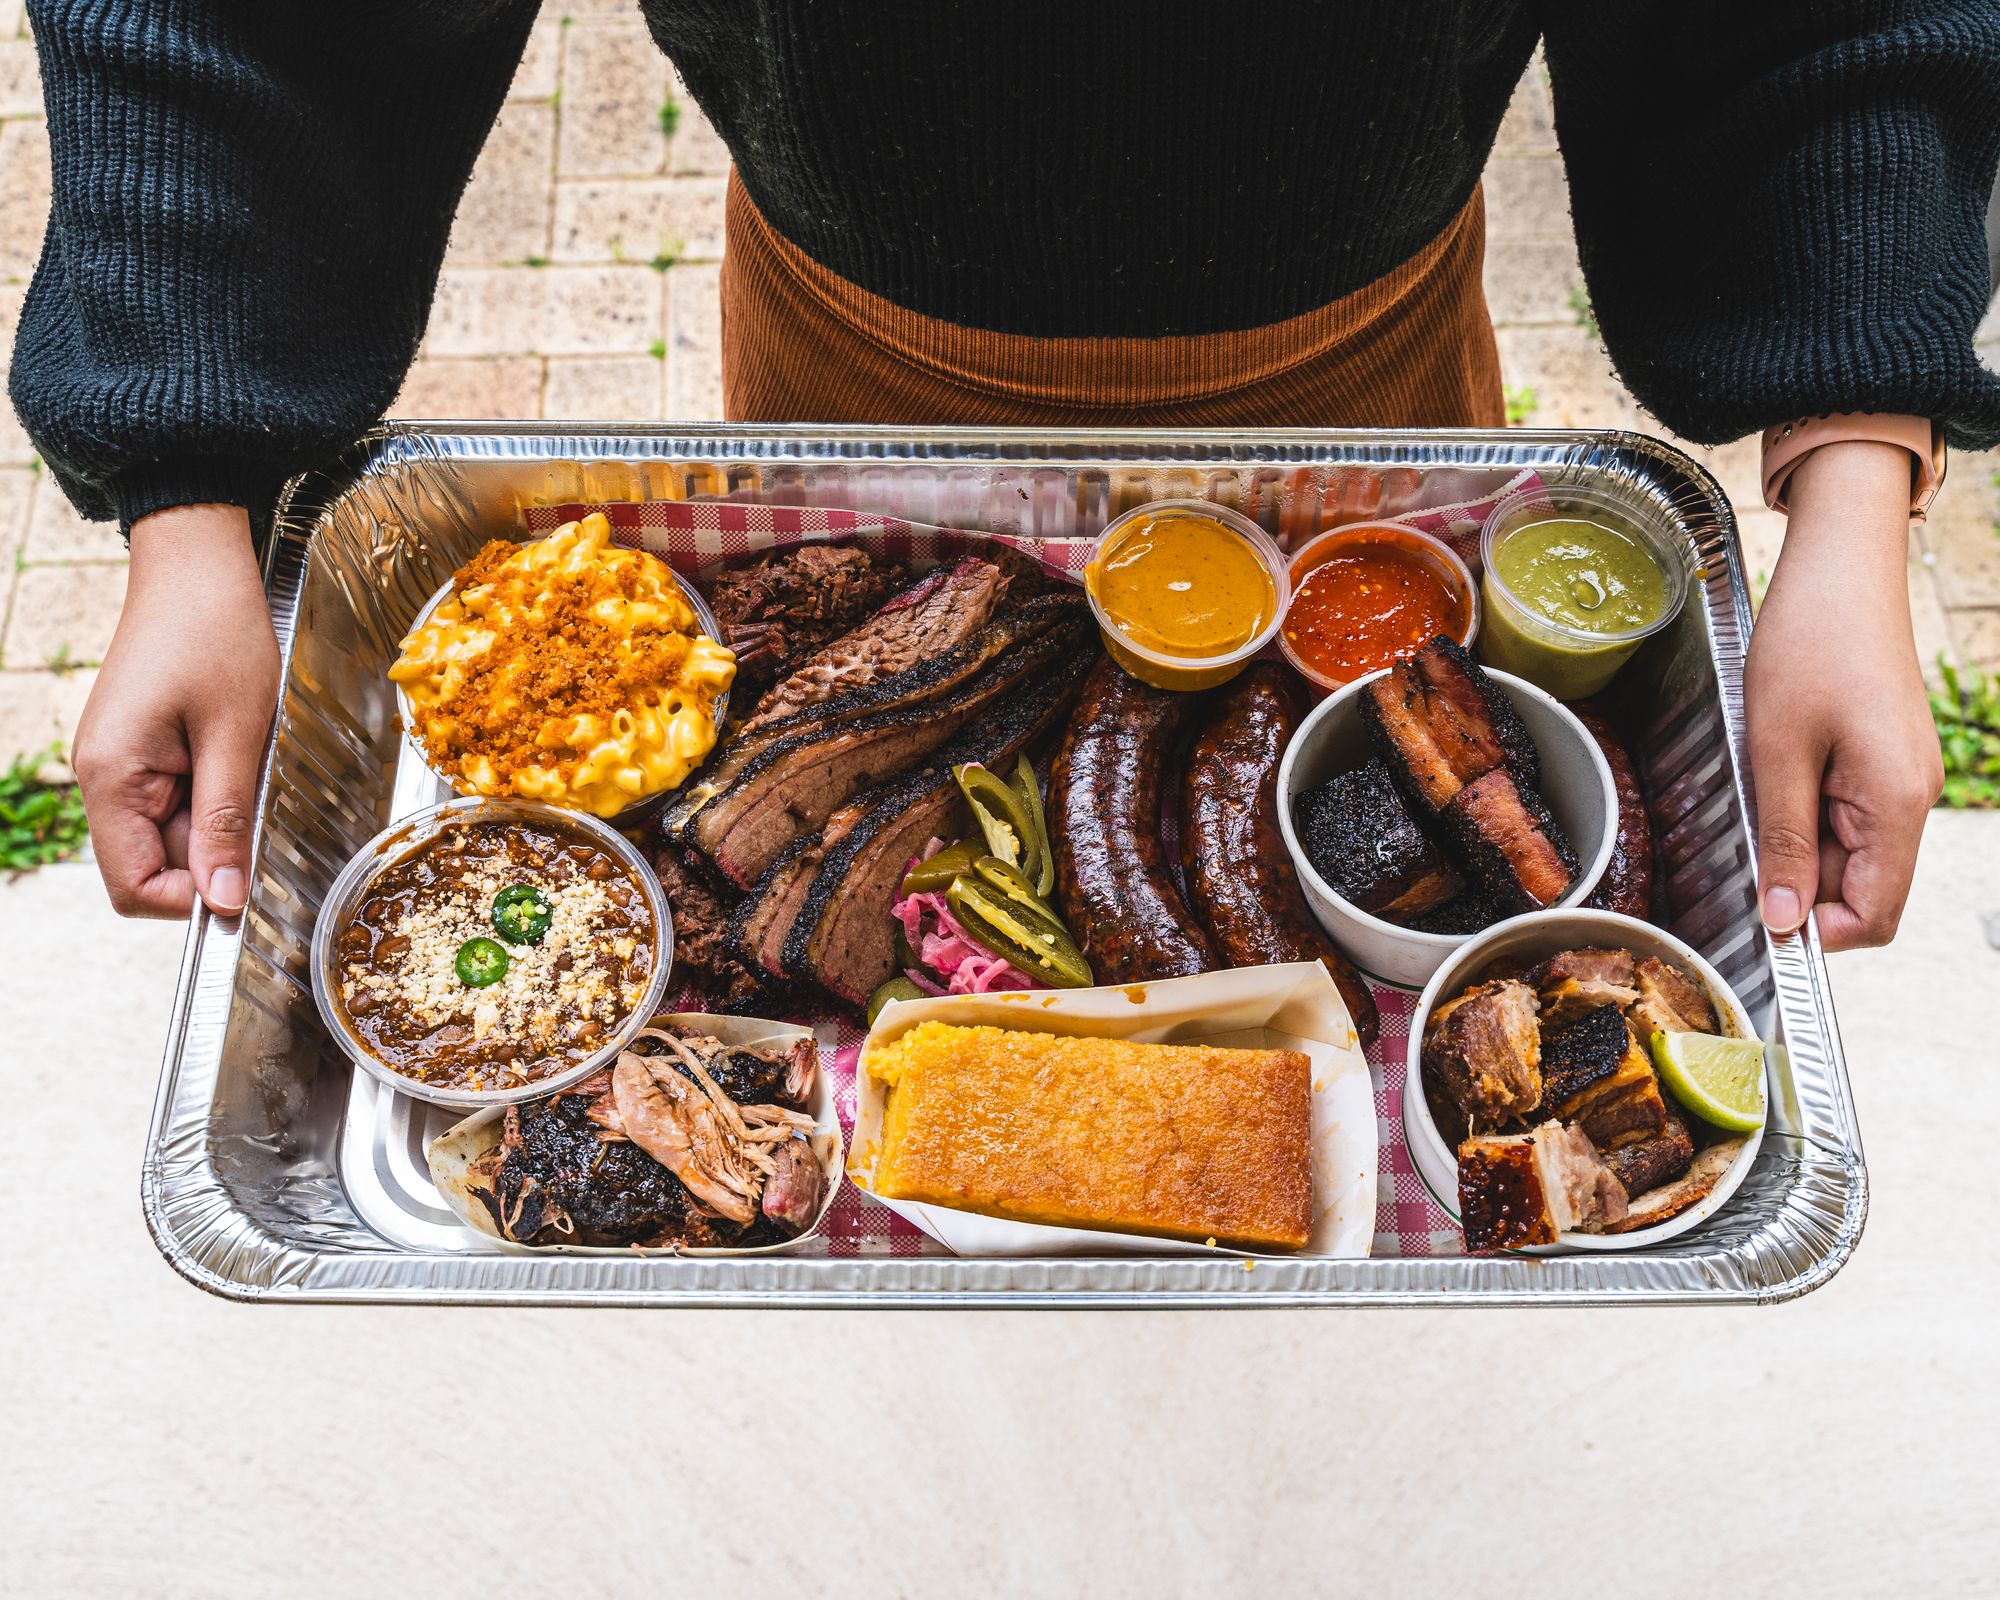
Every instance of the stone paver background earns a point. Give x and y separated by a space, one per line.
581 282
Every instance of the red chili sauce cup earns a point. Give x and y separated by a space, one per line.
1369 594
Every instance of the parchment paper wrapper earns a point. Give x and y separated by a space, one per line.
1293 1007
452 1153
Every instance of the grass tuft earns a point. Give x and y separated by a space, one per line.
39 822
1586 319
1967 713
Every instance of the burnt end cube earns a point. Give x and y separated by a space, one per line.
1649 1162
1361 837
1468 911
1596 1074
1502 1204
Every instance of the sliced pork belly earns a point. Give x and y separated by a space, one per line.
1509 842
1595 1074
1440 724
1574 982
1396 717
1502 1203
1516 1190
1485 1047
1476 715
1669 1001
1584 1194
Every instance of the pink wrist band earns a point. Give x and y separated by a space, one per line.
1789 443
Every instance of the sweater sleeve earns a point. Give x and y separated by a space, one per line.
251 203
1780 208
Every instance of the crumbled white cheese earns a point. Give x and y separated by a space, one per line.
541 1002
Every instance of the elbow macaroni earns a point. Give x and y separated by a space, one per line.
568 670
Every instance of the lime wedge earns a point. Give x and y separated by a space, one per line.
1719 1080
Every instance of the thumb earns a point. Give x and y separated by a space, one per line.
1788 774
221 809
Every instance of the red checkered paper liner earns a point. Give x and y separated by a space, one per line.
698 536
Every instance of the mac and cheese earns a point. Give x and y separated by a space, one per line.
567 670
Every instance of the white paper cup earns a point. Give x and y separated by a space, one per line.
1531 938
1576 782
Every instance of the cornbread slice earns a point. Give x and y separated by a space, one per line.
1180 1141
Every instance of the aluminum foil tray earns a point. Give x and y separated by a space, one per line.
264 1171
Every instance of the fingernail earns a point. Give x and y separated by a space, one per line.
1782 911
225 889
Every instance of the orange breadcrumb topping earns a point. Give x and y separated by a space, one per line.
517 695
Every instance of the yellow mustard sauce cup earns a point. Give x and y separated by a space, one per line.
1178 605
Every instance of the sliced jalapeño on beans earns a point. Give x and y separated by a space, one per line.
480 962
521 913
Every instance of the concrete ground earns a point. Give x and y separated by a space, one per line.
155 1440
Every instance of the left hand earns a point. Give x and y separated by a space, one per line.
1843 752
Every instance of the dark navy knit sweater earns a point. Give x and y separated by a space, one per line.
1779 203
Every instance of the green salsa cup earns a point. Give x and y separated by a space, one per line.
1537 621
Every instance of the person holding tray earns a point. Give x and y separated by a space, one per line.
1174 215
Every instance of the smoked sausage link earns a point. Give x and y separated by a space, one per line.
1627 884
1117 893
1240 877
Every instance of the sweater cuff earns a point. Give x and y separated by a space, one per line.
199 481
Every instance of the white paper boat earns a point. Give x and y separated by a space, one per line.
452 1153
1293 1007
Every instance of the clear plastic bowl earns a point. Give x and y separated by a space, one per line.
639 812
395 842
1190 672
1568 662
1431 550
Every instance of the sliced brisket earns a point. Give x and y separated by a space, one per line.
943 609
759 805
842 937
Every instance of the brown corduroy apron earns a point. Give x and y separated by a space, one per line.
1413 349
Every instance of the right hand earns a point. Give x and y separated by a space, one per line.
169 746
1842 747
